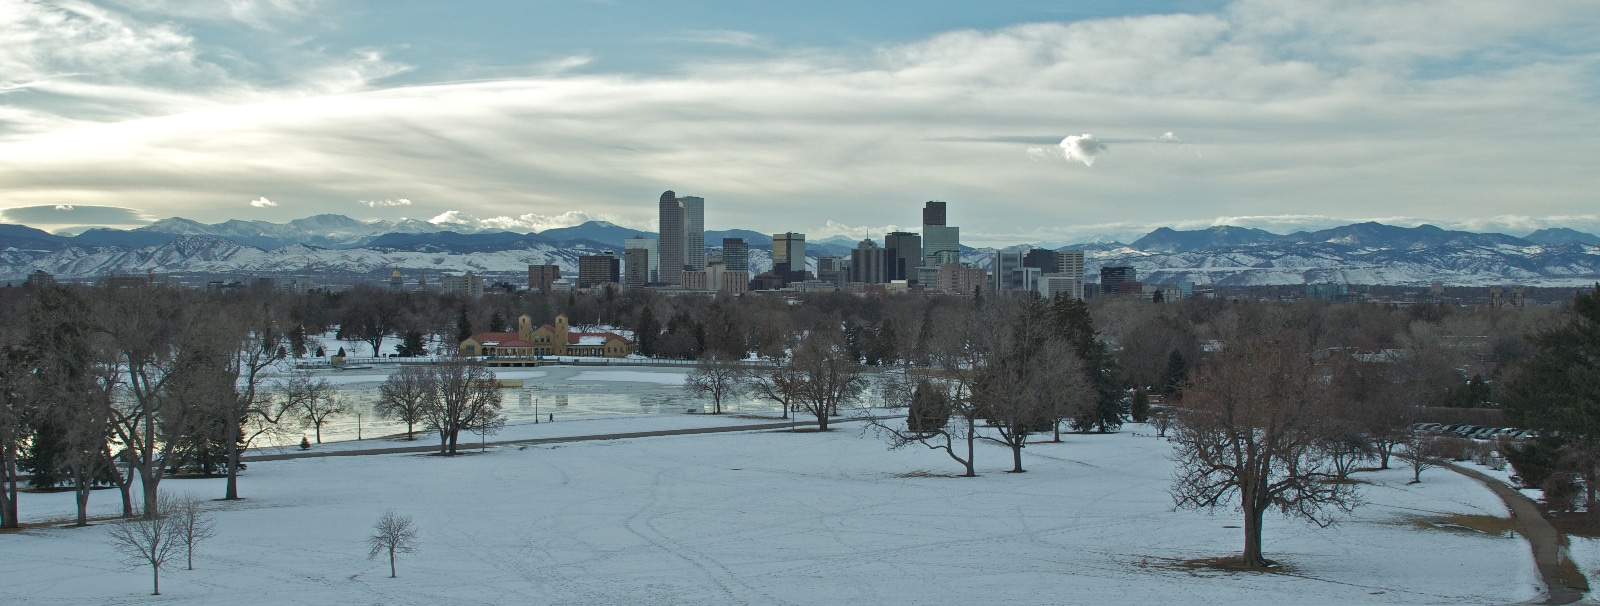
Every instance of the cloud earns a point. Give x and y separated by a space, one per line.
725 37
1083 148
1290 98
523 223
263 202
564 64
384 203
74 214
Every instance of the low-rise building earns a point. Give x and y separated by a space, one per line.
548 340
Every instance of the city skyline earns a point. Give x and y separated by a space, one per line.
1047 127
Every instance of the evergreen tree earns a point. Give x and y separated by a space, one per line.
1072 321
463 326
1558 389
886 343
647 334
1157 297
412 345
1140 410
45 455
497 322
1177 371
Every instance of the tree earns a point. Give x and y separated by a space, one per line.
466 397
312 400
404 396
1072 322
940 415
392 534
191 524
1139 411
779 384
248 409
647 333
1557 391
1250 426
825 376
149 540
716 377
463 326
1418 453
1023 371
412 345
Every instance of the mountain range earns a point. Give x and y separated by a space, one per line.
1362 253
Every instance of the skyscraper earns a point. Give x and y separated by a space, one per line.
652 270
735 254
940 243
1110 277
789 255
596 270
933 213
636 266
694 232
672 249
904 256
868 263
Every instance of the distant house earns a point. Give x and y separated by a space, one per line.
548 340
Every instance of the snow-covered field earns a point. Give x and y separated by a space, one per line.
774 518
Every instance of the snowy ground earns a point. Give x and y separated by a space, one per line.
775 518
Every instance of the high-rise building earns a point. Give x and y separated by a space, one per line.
636 266
468 286
833 270
957 279
1042 258
540 276
789 256
694 232
1070 262
598 270
735 254
868 263
653 246
1110 277
40 280
673 255
933 213
904 256
1007 268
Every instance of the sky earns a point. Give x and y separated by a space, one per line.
1040 122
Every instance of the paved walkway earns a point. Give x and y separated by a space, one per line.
1543 537
468 446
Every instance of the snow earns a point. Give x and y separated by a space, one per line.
772 518
666 376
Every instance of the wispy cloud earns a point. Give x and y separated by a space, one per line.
1290 99
263 202
726 37
384 203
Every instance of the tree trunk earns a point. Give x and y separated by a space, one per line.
82 493
391 562
1016 456
8 492
454 436
232 492
822 418
972 438
149 481
319 431
1252 533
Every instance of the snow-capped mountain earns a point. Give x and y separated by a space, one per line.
1363 253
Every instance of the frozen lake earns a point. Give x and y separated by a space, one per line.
564 391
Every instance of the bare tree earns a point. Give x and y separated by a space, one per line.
715 376
392 534
149 540
1419 453
404 396
940 415
826 376
250 410
191 524
312 400
779 384
466 398
1249 426
1022 372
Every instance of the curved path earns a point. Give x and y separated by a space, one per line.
1543 537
